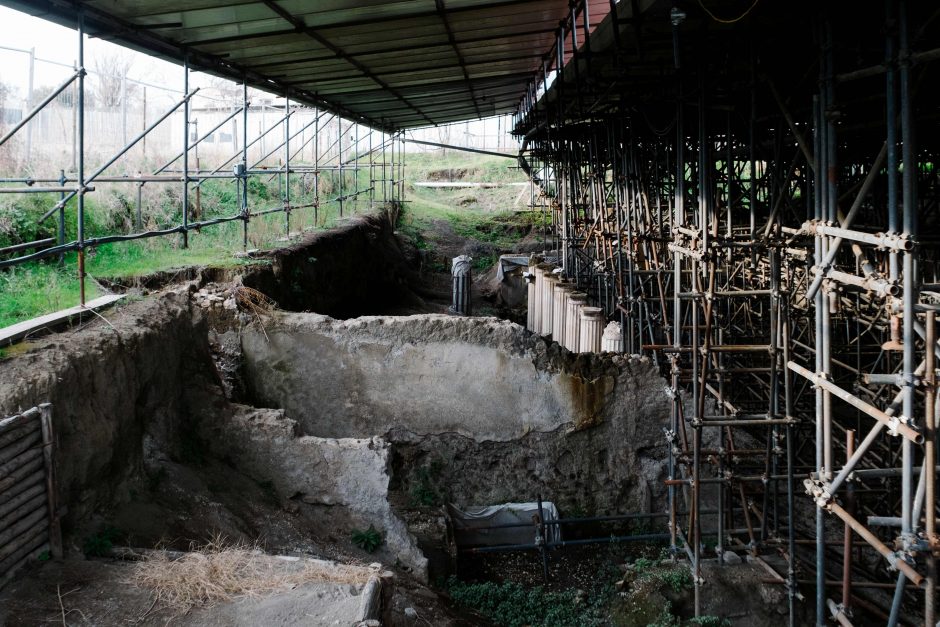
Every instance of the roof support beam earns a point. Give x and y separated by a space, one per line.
442 12
397 49
301 27
300 75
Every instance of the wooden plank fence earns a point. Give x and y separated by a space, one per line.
29 512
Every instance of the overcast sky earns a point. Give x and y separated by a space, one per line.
60 44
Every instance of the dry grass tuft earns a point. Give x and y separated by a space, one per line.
254 301
219 572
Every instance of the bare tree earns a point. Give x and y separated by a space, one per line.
9 152
443 136
229 91
110 86
5 91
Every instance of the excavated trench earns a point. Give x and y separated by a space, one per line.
197 410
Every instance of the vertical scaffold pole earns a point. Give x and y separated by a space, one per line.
244 164
186 150
81 156
316 170
287 164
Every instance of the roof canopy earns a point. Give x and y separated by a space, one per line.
388 63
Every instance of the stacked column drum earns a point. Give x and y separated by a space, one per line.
558 310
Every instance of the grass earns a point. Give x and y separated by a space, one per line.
512 605
34 289
424 490
369 540
478 213
41 287
101 543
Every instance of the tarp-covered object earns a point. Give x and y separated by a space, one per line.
460 266
508 263
467 524
510 286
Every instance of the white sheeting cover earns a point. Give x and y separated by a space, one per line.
467 522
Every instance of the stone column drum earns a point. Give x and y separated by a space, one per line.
592 329
537 302
543 270
612 341
576 300
562 289
548 293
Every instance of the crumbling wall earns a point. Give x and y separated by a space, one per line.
142 424
116 389
478 410
483 378
605 469
328 473
357 268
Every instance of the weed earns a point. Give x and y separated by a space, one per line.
710 621
484 262
423 491
666 618
678 578
258 188
45 556
643 566
101 543
576 510
511 605
640 528
369 540
3 353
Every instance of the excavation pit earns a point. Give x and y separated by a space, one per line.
189 414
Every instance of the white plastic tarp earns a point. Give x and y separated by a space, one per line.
460 266
468 524
507 263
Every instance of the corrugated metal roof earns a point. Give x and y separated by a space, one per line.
392 64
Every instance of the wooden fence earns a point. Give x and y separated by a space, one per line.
29 517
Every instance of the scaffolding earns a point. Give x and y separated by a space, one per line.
379 153
769 254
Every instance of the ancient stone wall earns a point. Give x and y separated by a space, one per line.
115 389
358 268
476 407
325 473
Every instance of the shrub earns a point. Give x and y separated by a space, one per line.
369 540
101 543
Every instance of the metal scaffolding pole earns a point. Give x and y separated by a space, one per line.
81 158
185 207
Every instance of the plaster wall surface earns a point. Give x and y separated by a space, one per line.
482 378
350 473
